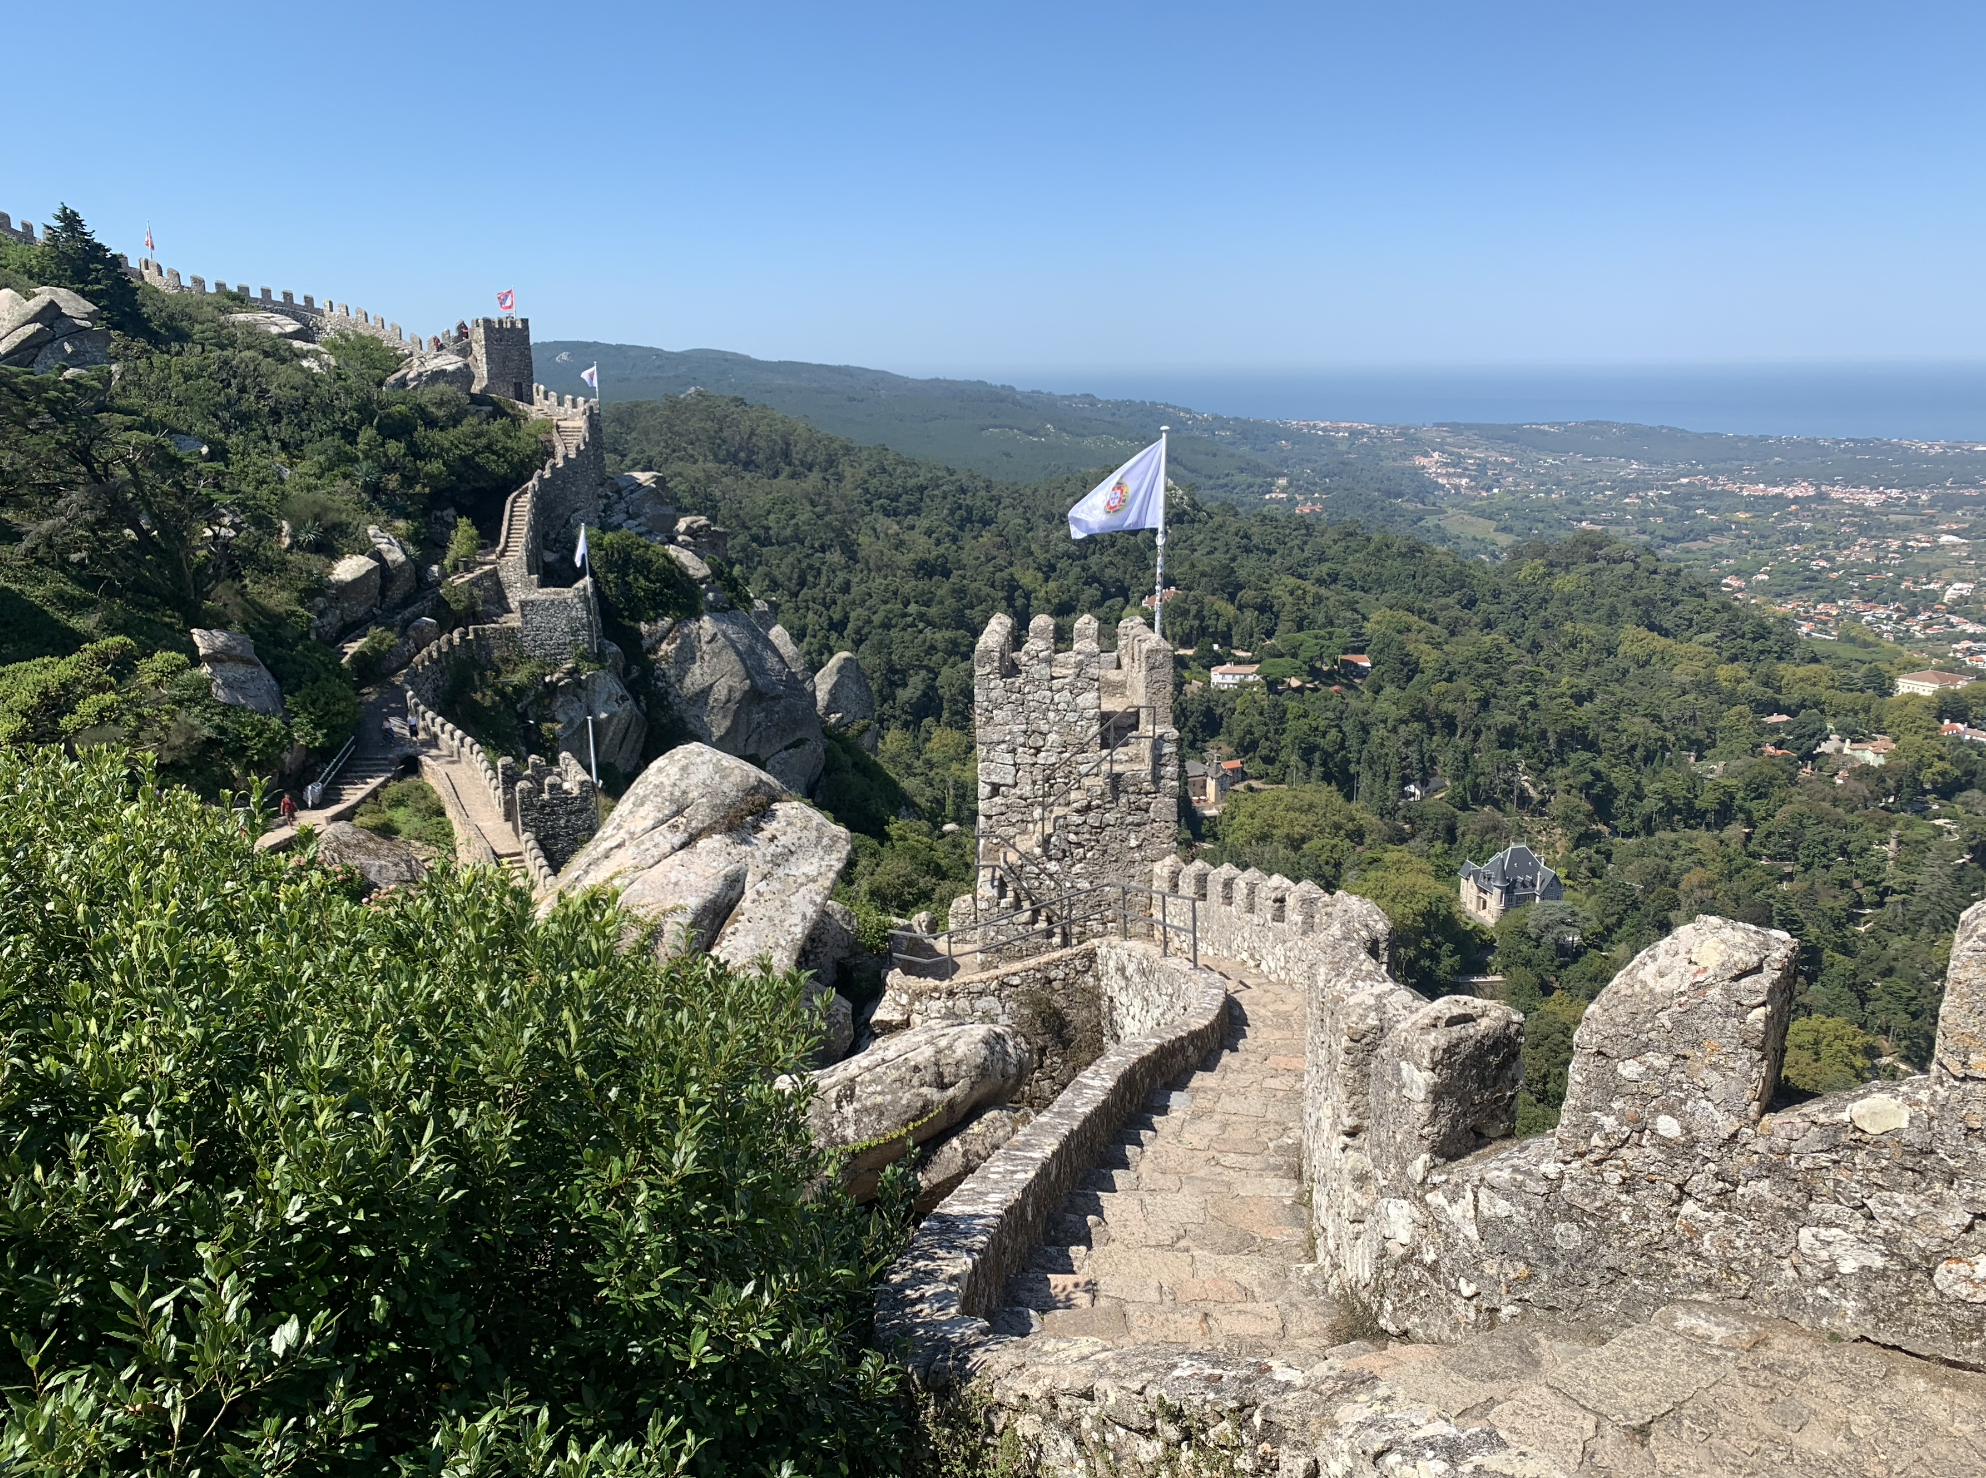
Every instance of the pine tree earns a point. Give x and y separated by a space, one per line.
75 259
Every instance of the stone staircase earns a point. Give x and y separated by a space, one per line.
1193 1229
517 526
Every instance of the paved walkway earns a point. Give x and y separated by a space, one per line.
1194 1231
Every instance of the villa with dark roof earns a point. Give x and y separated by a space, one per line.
1511 879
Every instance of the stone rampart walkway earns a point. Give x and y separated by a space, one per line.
1193 1232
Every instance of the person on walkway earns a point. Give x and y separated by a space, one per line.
287 809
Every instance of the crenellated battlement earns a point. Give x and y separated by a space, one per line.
328 317
23 233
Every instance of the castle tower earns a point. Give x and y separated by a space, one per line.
500 353
1078 760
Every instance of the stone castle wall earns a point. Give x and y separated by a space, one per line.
1856 1213
556 805
552 811
500 354
1049 785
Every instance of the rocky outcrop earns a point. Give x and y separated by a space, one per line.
398 572
382 861
796 660
639 503
236 673
734 691
54 329
910 1089
423 370
351 593
619 729
844 700
706 844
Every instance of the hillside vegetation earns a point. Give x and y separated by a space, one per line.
1584 695
209 482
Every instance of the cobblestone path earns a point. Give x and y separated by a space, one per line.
1193 1231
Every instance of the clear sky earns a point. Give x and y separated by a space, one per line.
970 188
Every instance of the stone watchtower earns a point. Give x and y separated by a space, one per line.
1078 761
500 354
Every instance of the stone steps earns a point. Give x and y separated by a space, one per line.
1192 1227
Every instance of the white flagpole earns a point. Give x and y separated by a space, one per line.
1158 598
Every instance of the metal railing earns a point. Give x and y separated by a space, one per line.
1100 901
313 793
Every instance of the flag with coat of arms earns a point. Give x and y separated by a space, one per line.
1132 497
591 375
507 300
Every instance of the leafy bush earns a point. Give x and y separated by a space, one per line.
365 658
324 714
463 544
296 1183
639 581
409 809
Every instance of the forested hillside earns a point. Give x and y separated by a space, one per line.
1585 695
209 480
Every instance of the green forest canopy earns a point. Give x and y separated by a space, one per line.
1583 694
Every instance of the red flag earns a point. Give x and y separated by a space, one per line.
148 237
507 300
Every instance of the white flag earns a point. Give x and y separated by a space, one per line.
1132 497
591 375
579 554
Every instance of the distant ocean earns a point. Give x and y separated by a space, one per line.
1930 402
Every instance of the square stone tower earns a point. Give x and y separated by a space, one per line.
500 353
1078 761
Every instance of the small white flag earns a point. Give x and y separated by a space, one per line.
579 554
1132 497
591 375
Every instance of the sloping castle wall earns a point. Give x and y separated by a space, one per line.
1858 1213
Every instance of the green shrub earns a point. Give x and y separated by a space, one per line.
324 714
297 1183
463 544
1825 1054
410 809
639 581
364 659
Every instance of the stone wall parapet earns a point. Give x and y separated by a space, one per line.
934 1300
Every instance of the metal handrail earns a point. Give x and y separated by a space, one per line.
1161 922
314 792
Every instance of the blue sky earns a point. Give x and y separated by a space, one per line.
984 188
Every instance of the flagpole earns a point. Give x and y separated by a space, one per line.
1158 597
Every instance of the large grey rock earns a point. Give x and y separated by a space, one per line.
619 730
22 341
236 674
398 570
281 325
383 861
351 591
911 1088
844 699
705 841
424 370
735 692
783 643
77 349
11 303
